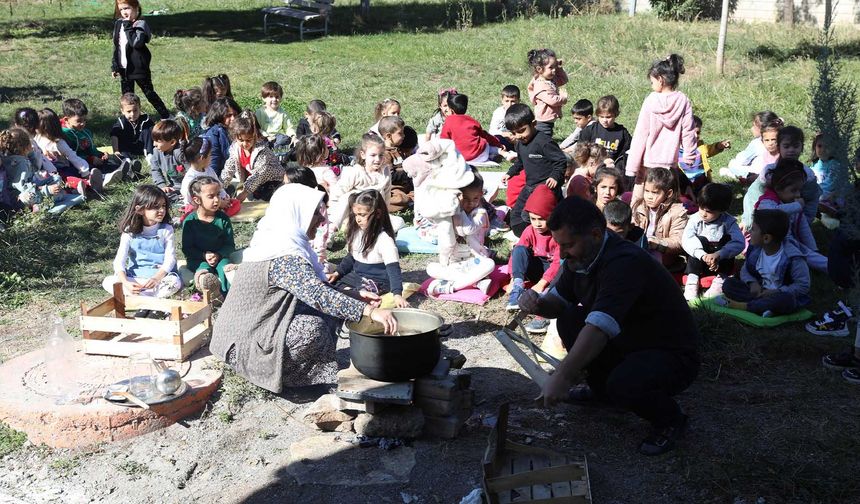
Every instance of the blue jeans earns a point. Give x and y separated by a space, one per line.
779 303
525 266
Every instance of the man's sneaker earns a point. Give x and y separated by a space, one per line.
715 289
97 181
663 439
514 298
841 361
438 287
691 287
833 323
537 326
852 375
113 177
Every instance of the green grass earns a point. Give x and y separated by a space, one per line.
775 424
10 440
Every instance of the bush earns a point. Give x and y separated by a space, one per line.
689 10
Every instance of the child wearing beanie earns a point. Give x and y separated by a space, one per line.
536 256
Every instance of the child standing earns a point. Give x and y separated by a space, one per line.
538 155
434 125
475 144
131 57
665 123
535 257
783 193
207 237
31 185
544 92
218 120
275 124
252 161
369 172
607 133
619 220
662 217
372 262
583 115
131 134
191 107
145 262
775 278
510 96
165 165
712 240
74 170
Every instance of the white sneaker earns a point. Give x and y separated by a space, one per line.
691 287
113 177
439 287
97 180
726 173
484 285
715 289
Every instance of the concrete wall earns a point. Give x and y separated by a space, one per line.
808 11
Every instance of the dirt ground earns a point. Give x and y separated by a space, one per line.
757 434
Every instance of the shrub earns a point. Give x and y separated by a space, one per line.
689 10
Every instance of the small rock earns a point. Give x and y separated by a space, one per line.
408 498
395 421
326 414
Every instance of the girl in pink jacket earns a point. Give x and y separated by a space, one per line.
665 123
544 92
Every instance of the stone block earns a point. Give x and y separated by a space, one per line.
394 421
326 414
447 427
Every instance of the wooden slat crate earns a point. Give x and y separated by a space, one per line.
520 473
107 330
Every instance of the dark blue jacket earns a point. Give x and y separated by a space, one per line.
220 142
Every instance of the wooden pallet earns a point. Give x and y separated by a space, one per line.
520 473
107 330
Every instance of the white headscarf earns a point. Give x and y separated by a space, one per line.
283 230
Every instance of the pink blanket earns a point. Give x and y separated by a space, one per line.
498 278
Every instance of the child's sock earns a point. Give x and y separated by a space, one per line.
716 287
691 287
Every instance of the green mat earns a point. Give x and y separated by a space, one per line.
749 317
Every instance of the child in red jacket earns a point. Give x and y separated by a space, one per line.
475 144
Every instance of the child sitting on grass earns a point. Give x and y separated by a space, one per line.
74 170
145 262
463 258
386 108
191 107
538 155
607 186
588 157
195 157
583 116
80 139
368 172
131 134
215 88
372 262
475 144
774 279
304 126
220 117
699 171
324 124
252 161
28 119
662 217
275 124
535 257
783 193
510 96
619 219
32 185
739 166
165 164
712 240
207 238
312 152
391 129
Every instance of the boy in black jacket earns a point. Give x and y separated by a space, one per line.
538 155
131 57
606 132
131 134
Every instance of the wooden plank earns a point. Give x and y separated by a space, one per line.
165 305
541 490
100 309
119 300
98 335
506 468
200 316
151 328
535 372
560 488
162 351
521 467
541 476
194 339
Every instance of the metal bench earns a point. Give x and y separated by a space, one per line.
296 13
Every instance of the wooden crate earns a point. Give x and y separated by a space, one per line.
520 473
107 330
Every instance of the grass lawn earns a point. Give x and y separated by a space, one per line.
777 425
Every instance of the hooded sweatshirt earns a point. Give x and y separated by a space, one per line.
544 96
665 124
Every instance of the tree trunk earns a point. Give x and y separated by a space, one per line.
788 12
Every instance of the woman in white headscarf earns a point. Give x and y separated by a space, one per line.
277 327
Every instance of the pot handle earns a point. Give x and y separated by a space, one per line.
445 330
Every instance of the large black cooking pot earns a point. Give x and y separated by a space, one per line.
412 352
